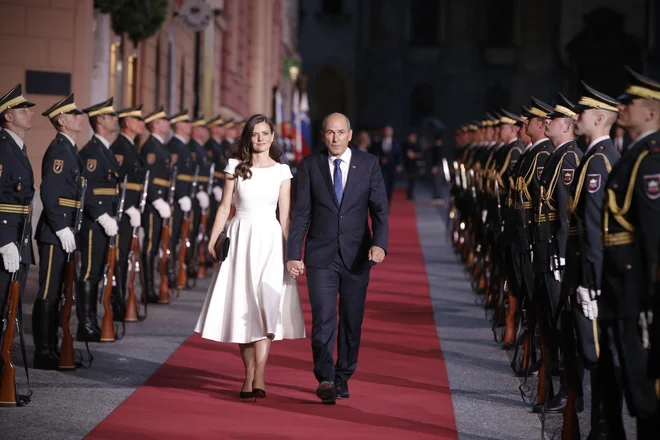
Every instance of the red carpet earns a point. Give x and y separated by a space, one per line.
400 389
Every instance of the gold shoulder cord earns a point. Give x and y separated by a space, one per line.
613 207
574 199
528 178
555 179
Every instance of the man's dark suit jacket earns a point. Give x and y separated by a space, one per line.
391 160
331 227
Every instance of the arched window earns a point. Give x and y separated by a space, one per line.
422 103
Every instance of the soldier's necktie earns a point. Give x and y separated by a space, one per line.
339 188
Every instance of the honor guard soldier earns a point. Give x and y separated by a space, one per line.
202 159
630 240
156 158
127 154
182 159
101 201
230 138
550 233
214 145
596 113
17 183
61 188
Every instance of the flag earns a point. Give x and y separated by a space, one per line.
305 126
279 119
295 119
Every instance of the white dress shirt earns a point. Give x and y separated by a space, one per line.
182 139
70 139
591 145
158 138
103 140
345 162
14 136
129 139
387 145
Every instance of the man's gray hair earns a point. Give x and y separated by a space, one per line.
325 120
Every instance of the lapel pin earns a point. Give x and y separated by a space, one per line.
353 166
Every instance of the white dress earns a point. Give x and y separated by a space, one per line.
251 295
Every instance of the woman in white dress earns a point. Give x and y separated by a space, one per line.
252 300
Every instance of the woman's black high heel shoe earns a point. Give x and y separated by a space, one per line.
246 394
258 392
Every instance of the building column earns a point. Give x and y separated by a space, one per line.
257 51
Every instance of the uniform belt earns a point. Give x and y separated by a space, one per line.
573 230
203 178
185 178
69 203
617 238
161 182
553 216
540 218
132 186
219 175
14 209
104 191
525 205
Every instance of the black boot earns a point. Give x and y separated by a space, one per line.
149 268
118 298
54 327
44 357
88 329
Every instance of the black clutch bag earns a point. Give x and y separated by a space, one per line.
221 247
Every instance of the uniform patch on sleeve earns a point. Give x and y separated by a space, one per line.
567 175
194 157
209 154
151 158
175 158
58 166
593 182
120 158
91 165
652 186
539 172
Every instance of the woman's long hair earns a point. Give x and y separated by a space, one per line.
242 149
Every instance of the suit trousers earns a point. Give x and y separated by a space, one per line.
93 255
152 223
324 284
123 249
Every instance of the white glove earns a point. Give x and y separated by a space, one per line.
185 203
134 214
556 271
484 215
217 192
67 239
10 257
203 199
589 306
531 256
163 208
109 224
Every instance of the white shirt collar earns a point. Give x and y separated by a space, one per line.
103 140
181 138
345 157
564 144
638 140
14 136
69 138
217 140
230 140
539 141
158 138
129 139
528 146
596 141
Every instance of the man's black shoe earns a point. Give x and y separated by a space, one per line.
341 389
326 392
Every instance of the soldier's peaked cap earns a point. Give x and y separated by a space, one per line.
510 118
131 112
640 86
525 114
539 109
593 99
65 106
214 121
199 122
563 108
102 108
14 99
159 113
182 116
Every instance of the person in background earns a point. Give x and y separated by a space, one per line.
363 141
412 154
438 182
390 157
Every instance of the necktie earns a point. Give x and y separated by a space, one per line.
339 188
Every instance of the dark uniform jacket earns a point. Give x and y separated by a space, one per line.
585 213
181 158
131 165
102 174
17 183
502 166
61 188
218 157
200 158
156 158
551 205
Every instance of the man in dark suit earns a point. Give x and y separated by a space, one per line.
390 156
338 191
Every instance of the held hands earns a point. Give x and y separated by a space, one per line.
295 268
109 224
67 239
10 257
589 305
217 193
376 254
185 203
163 208
203 199
134 215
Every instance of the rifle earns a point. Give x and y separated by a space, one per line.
66 351
165 251
8 389
182 276
203 236
107 329
133 266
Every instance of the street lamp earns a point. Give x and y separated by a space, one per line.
293 72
